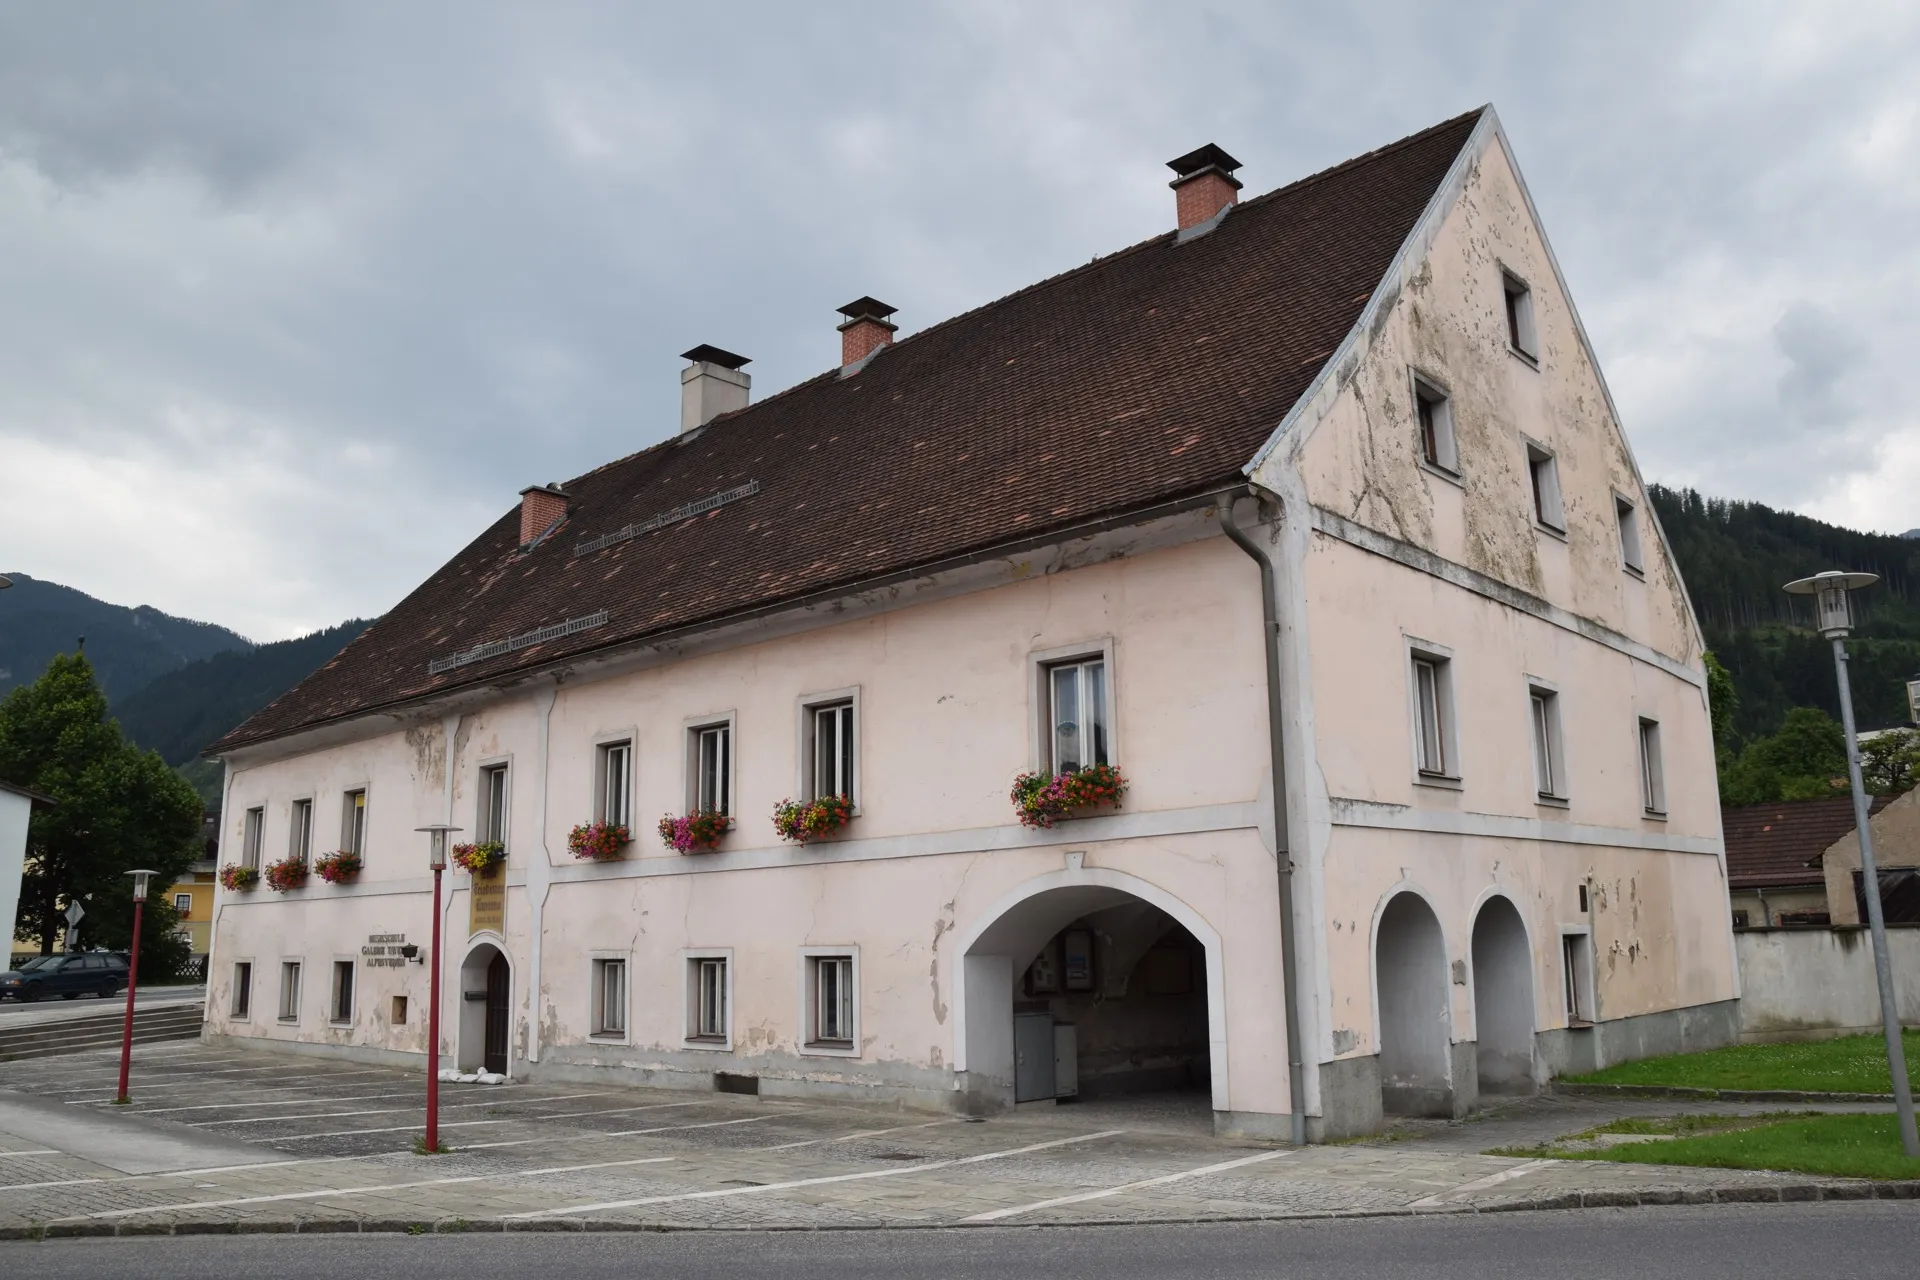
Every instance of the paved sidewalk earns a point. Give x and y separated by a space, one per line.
337 1145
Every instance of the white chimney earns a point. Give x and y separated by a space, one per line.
711 385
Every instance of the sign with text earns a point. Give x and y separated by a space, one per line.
487 901
382 950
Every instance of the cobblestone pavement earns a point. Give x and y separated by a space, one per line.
562 1157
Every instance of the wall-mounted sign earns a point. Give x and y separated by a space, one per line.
1076 959
487 901
382 950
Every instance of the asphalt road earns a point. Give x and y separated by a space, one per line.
13 1013
1855 1240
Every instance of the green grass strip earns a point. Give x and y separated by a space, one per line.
1832 1146
1852 1064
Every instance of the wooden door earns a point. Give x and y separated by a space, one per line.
499 992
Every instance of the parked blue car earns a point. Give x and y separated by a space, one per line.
100 973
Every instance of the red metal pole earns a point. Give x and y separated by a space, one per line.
433 1027
133 979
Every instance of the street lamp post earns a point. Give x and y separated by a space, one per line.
436 859
1829 591
140 879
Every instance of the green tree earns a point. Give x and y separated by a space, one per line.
1723 703
115 808
1890 762
1805 759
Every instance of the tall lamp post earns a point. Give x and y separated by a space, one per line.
140 879
437 835
1829 591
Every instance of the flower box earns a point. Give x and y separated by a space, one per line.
1040 801
237 878
697 832
288 873
337 868
476 858
599 841
804 820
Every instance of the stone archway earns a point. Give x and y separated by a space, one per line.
485 1012
1146 1027
1503 998
1412 998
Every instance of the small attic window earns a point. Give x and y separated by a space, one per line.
1545 475
1435 412
1520 332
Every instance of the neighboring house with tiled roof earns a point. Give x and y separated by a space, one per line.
1312 517
1775 869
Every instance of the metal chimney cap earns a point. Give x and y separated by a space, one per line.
867 309
706 353
1207 157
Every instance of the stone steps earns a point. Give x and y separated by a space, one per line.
99 1031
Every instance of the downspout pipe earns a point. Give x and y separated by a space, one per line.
1283 855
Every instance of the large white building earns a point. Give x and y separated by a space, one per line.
1341 450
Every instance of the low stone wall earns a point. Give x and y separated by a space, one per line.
1812 984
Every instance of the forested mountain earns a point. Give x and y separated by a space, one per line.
127 647
179 713
1735 557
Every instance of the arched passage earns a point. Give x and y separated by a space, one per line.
1410 972
1134 972
485 993
1503 998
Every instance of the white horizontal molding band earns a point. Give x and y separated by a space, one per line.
1443 822
1335 525
1143 824
365 889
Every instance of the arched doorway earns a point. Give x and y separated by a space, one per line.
1410 970
486 1009
1503 998
1089 983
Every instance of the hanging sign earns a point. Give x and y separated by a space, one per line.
487 901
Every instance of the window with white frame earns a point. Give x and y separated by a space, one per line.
251 831
340 998
1520 334
1433 715
183 904
242 1001
1079 722
613 783
300 837
1653 784
830 1001
707 998
492 822
353 821
289 991
1435 412
1549 771
1628 519
1544 475
1576 974
830 750
609 995
711 747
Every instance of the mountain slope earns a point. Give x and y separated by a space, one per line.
1736 556
127 646
180 712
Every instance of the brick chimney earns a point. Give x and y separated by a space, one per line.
540 506
711 385
1203 185
865 330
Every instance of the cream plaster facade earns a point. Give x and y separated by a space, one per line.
1420 903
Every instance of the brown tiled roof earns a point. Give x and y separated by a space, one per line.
1146 376
1781 844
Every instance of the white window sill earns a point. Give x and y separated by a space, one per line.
1542 526
340 1022
1445 782
1633 571
288 1022
607 1037
1579 1024
713 1044
1551 802
830 1049
1654 815
1524 357
1435 469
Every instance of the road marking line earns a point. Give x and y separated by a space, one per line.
371 1111
615 1111
35 1186
995 1215
289 1102
325 1192
47 1152
404 1128
1481 1184
822 1181
705 1124
849 1137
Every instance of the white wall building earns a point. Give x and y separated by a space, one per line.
1482 846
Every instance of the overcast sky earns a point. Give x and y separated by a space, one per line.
295 299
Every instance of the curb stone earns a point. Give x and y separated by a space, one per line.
1682 1093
